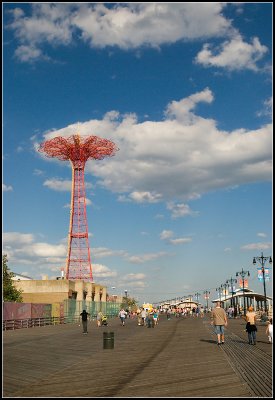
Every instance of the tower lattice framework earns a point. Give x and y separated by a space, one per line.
78 149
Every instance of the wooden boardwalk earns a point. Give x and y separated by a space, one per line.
178 358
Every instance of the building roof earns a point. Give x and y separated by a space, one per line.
241 293
18 277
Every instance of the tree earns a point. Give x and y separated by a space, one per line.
10 293
129 303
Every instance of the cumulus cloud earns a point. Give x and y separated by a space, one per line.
101 271
127 26
180 210
234 54
178 159
23 249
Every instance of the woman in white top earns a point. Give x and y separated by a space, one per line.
269 331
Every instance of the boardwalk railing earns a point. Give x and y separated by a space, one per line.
11 324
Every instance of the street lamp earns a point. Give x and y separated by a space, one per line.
100 297
224 285
230 282
243 273
219 289
262 260
197 295
206 293
126 291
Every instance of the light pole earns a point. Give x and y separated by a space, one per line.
206 293
126 291
100 297
262 260
230 282
243 273
197 295
224 285
219 289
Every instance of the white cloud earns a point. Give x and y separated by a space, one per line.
227 249
100 252
37 172
145 197
257 246
133 277
128 26
142 258
58 184
22 249
28 53
180 210
17 238
6 188
267 108
166 235
179 158
63 185
261 234
180 241
101 271
234 54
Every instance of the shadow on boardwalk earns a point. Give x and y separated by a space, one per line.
178 358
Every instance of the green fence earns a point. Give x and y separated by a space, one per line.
73 308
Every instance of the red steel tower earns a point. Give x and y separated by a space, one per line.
78 149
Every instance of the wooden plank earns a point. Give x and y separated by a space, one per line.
178 358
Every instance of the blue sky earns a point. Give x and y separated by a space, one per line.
185 92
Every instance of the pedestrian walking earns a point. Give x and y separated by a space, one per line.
143 316
156 317
269 331
84 316
251 327
219 320
122 315
99 318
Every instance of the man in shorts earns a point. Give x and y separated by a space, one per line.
219 320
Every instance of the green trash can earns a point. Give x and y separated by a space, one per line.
108 340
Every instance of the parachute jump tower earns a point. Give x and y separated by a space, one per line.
78 149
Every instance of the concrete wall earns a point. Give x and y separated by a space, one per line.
52 291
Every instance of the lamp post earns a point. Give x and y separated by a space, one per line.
197 295
243 273
206 293
224 285
219 289
262 261
100 297
230 282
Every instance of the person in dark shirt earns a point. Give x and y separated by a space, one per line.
84 316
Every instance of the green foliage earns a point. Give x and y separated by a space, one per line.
10 293
129 303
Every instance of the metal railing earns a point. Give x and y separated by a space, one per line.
11 324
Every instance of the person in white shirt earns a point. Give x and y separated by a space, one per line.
122 315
